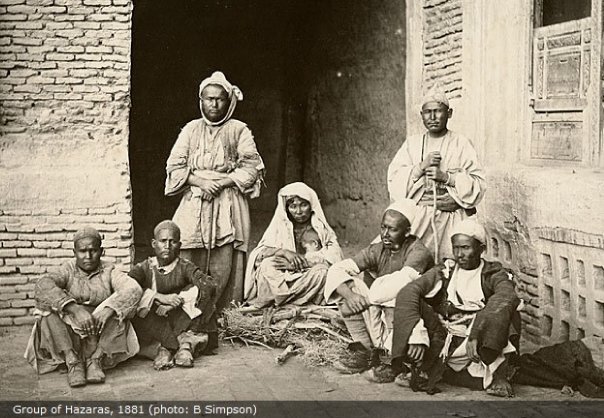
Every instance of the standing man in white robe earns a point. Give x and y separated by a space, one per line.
438 157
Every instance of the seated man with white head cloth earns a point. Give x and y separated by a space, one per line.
367 304
459 320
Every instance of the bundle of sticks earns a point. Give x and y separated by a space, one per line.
315 332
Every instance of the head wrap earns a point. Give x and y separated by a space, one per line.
471 228
167 224
436 94
280 231
405 207
87 232
302 191
218 78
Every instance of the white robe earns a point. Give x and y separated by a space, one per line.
280 234
460 160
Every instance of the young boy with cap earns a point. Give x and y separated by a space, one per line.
175 317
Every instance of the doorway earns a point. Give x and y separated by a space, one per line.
175 45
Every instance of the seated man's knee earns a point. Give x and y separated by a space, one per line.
112 324
53 318
54 322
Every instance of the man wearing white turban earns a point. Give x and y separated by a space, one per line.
459 320
437 159
216 167
367 304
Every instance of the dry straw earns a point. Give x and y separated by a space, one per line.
316 333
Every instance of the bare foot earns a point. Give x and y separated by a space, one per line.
501 387
163 360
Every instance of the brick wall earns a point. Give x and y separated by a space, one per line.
544 221
512 246
64 91
442 47
550 237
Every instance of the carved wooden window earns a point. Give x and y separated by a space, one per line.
564 54
551 12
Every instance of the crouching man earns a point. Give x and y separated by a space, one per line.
367 304
176 315
459 321
82 315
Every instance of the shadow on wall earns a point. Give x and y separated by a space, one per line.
323 94
176 45
356 111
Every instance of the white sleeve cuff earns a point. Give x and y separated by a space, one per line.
190 299
419 335
146 302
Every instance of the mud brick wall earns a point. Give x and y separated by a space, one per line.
356 111
65 100
442 50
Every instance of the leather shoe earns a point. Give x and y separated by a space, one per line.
94 372
76 375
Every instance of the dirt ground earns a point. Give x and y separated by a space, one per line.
236 373
239 373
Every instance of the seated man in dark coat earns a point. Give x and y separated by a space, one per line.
176 314
459 320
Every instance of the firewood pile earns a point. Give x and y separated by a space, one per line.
316 333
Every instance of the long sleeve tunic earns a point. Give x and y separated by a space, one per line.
406 180
492 324
106 285
214 153
182 277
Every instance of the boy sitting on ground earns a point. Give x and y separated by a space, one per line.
176 315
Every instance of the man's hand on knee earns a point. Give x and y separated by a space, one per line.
162 310
101 318
82 318
355 304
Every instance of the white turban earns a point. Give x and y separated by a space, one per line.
405 207
235 95
471 228
436 94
